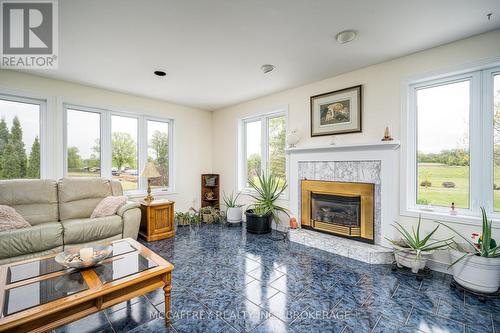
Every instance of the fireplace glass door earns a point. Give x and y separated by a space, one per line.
341 214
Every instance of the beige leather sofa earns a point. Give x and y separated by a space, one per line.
59 212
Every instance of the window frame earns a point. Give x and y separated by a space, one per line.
142 145
42 126
480 145
171 169
68 107
242 153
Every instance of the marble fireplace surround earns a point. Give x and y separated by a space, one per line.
366 163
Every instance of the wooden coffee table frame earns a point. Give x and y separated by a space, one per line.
97 297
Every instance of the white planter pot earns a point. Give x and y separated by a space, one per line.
476 273
234 215
410 260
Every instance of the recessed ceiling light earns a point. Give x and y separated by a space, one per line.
267 68
346 36
160 73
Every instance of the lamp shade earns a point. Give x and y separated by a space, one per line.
150 171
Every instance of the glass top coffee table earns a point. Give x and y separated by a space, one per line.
39 294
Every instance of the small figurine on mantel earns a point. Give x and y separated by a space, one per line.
452 210
387 135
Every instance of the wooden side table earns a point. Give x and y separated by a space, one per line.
157 220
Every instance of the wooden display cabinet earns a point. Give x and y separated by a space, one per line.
210 184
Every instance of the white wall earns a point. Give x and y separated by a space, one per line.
192 127
381 102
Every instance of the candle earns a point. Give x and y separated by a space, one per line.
87 253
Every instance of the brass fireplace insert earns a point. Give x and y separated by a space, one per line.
341 208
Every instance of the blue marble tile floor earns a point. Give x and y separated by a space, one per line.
226 280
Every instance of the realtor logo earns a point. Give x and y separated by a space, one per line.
29 34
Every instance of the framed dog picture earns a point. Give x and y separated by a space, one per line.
336 112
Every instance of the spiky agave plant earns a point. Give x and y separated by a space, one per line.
231 200
268 189
487 245
417 243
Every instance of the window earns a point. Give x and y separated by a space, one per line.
253 145
443 144
83 143
124 151
276 146
20 137
263 147
453 145
118 145
158 151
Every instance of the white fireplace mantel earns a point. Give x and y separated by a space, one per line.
386 153
382 145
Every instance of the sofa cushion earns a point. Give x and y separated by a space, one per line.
87 230
38 238
116 187
78 197
108 206
10 219
34 199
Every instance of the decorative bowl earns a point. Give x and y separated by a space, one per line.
71 258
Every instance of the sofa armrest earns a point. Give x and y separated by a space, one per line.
131 219
127 206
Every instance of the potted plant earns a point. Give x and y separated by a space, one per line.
182 218
412 250
209 214
267 190
476 264
233 212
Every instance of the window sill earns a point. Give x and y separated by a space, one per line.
471 220
142 194
247 191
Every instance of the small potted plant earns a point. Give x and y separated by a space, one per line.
209 214
476 264
413 250
182 218
233 212
267 190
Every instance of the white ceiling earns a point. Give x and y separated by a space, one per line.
212 50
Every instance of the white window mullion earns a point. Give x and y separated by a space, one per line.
171 159
264 151
488 139
243 157
106 155
411 146
477 160
142 146
47 144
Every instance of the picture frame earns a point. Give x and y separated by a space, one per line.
336 112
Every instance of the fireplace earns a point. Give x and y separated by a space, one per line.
340 208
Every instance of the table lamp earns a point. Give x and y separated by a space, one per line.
150 171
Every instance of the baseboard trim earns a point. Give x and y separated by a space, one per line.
438 266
